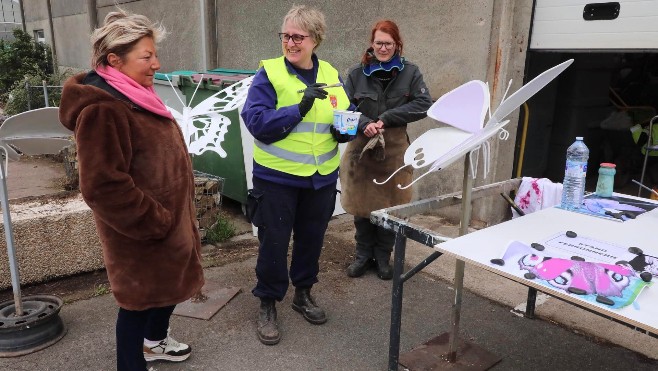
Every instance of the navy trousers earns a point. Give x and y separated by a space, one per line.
279 211
132 328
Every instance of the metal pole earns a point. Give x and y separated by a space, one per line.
45 92
29 96
9 236
396 302
467 188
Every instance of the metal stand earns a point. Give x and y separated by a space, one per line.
31 324
446 351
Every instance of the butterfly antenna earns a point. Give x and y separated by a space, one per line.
391 176
509 85
400 186
175 92
197 88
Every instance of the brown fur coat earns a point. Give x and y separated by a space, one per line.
136 176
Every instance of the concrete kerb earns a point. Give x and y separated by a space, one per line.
54 237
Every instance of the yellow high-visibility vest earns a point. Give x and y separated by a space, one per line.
309 147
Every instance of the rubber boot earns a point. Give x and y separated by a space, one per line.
384 269
359 266
267 328
303 303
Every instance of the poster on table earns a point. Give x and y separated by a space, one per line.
619 208
599 272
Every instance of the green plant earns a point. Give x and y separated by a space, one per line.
221 231
20 57
102 289
18 95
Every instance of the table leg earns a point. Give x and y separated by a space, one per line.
396 302
530 303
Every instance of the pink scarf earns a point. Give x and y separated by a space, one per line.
142 96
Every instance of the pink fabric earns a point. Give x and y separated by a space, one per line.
537 194
142 96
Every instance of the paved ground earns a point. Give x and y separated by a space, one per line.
356 335
34 176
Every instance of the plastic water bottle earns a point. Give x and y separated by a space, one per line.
575 172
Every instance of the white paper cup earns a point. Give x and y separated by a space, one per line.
346 122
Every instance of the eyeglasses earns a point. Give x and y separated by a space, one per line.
387 45
297 39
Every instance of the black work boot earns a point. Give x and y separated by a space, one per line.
384 269
267 328
359 266
303 303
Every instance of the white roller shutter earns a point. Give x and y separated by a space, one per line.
626 24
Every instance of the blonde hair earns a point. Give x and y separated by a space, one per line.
119 34
309 19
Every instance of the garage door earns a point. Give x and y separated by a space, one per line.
577 24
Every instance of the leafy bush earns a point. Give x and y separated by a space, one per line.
22 57
17 97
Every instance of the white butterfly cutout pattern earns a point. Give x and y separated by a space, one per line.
464 110
203 125
35 132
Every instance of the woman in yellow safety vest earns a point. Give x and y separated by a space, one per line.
289 111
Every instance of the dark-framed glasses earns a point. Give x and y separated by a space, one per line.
296 38
386 44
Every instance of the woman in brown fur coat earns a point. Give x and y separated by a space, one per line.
136 176
390 93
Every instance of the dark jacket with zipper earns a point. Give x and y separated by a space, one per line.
405 99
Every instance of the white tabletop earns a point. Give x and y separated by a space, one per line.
489 243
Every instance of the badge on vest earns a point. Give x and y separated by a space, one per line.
333 100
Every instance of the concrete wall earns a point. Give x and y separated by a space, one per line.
452 41
53 238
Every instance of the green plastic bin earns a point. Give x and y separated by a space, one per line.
231 168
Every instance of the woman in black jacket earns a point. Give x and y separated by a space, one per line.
390 93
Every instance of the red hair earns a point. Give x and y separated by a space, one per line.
386 26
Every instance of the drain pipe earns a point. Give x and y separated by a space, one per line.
92 14
52 37
20 7
202 25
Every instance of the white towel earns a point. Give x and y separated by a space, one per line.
536 194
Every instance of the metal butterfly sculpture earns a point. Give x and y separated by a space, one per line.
35 132
464 110
204 126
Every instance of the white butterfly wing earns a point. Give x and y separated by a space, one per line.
464 107
225 100
434 144
466 146
527 91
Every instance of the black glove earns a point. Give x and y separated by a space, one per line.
310 94
340 138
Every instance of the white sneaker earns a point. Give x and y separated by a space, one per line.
168 350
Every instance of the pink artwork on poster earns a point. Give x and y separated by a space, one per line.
597 272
